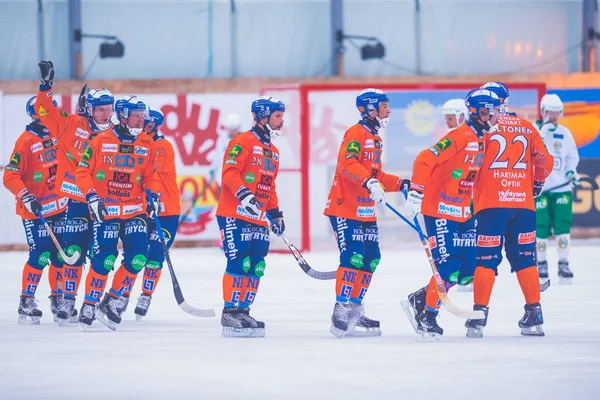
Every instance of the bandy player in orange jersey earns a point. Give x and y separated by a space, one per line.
441 189
73 133
515 166
170 205
114 172
358 184
31 176
250 167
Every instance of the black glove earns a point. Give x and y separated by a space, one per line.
248 201
82 108
46 73
277 226
31 203
153 205
537 188
405 185
96 206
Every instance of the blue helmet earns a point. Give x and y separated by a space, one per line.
99 97
264 106
369 100
156 116
127 104
500 89
481 98
30 108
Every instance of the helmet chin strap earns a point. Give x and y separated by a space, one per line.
273 132
383 122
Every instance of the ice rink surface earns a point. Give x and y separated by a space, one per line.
171 355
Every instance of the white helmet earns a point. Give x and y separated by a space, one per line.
455 107
232 122
551 102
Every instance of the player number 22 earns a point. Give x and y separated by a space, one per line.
502 143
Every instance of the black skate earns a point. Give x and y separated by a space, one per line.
532 321
29 313
340 319
122 304
258 327
86 316
429 325
475 326
55 302
141 309
413 307
234 324
542 267
107 312
565 275
361 325
66 312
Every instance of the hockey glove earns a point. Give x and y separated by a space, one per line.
537 188
248 201
82 108
412 207
373 186
31 203
153 205
574 177
405 185
277 226
96 206
46 73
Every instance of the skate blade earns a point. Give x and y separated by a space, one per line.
361 331
429 337
82 327
337 332
55 318
465 288
564 281
101 317
476 333
28 320
243 332
535 330
410 314
63 322
139 318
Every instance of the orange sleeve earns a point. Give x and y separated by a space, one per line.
169 165
86 166
429 158
348 165
13 172
543 161
149 175
390 182
51 117
234 160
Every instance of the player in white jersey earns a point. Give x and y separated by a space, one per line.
554 208
455 113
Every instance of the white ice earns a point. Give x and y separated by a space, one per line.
173 355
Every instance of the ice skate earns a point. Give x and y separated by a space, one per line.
107 312
234 324
55 302
565 275
257 327
86 316
413 307
361 325
66 312
542 267
122 304
29 313
141 309
532 321
430 328
340 319
475 326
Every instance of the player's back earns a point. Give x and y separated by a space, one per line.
167 176
512 150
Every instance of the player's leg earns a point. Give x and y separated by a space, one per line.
543 232
156 258
349 235
105 238
520 252
490 226
562 217
467 253
58 304
236 247
40 247
359 323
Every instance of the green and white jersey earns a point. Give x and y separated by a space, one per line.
561 145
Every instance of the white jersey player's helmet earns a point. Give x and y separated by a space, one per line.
551 102
457 108
232 121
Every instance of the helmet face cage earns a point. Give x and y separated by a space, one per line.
263 106
369 100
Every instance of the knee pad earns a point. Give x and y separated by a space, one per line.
135 264
259 269
39 258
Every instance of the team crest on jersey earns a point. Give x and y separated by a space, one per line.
42 111
443 144
353 147
557 146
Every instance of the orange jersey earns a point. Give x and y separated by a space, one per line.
119 170
164 155
445 174
515 155
359 159
249 162
32 168
73 133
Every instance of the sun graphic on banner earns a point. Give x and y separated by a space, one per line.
420 117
